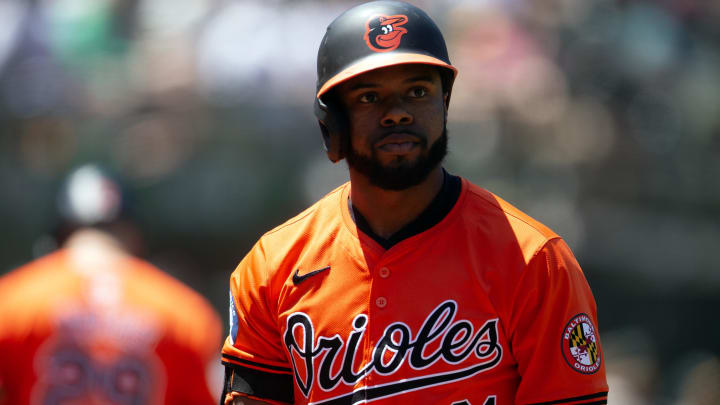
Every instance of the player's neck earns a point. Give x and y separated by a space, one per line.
93 251
388 211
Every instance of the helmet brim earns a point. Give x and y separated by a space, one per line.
379 61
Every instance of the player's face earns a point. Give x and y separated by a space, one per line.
397 124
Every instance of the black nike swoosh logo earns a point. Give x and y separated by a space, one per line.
297 278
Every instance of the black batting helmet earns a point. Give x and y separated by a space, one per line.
367 37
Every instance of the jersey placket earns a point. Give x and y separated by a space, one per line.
383 309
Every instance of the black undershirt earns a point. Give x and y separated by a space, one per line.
439 207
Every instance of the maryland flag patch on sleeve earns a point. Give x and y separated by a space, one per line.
580 345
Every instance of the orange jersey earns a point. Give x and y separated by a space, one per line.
122 332
486 307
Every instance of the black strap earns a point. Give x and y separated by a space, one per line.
278 387
228 372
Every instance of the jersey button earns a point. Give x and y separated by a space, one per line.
381 302
384 272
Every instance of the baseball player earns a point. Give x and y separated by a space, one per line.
90 324
407 285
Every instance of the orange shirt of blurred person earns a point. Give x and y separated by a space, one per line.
89 324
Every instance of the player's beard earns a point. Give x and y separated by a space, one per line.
402 174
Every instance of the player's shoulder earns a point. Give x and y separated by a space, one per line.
30 292
43 275
186 315
494 204
319 217
503 218
307 234
178 297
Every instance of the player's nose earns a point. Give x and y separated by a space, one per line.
396 115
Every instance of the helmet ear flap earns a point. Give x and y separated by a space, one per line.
447 77
331 127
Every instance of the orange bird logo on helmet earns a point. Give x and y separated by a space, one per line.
383 33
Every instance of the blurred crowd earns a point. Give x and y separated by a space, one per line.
601 118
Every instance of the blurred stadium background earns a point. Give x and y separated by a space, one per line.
600 118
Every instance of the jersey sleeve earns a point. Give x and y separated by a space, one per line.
253 355
553 332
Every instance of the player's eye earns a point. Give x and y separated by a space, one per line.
367 98
418 92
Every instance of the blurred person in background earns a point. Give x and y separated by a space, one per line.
91 323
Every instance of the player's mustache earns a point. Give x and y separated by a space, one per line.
401 130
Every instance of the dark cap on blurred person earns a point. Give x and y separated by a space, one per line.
92 197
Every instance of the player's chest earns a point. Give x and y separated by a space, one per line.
396 324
